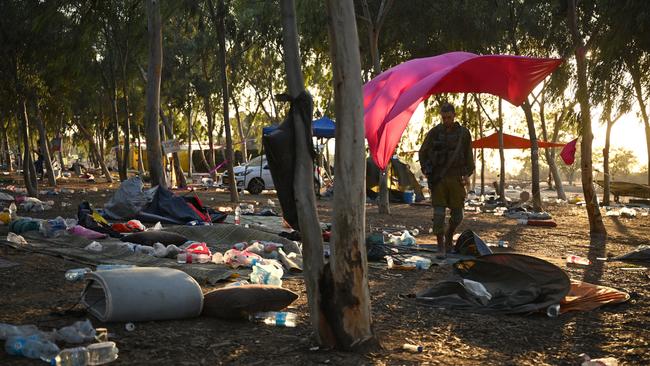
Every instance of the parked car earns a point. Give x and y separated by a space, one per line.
255 177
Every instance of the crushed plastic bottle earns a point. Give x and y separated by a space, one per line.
268 273
34 347
94 247
79 332
76 274
396 264
12 211
77 356
414 348
420 262
238 283
16 239
276 318
9 330
575 259
407 239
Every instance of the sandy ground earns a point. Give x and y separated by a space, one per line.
34 289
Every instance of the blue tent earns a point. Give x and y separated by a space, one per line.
322 127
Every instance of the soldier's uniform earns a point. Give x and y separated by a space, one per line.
447 187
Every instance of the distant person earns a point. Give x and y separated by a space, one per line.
447 161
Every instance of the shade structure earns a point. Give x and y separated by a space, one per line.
509 142
323 127
390 99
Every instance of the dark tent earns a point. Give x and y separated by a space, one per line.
515 284
401 179
168 207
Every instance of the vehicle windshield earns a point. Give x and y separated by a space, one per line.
256 161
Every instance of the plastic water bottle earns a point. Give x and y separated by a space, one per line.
76 274
420 262
77 356
267 274
575 259
237 215
94 354
277 318
31 347
12 211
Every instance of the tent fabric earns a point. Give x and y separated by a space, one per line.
509 142
401 179
568 153
166 204
585 296
323 127
391 98
628 189
516 284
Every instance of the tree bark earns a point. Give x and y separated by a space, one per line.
638 92
596 226
480 131
140 157
221 30
347 306
94 151
190 131
121 168
606 176
29 172
502 157
240 129
154 152
47 163
550 159
534 156
303 184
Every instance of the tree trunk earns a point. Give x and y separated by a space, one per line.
502 157
480 131
5 148
240 129
596 226
94 151
220 23
29 172
190 168
303 184
208 113
606 176
347 306
178 169
201 150
47 163
534 156
116 134
140 157
374 27
154 152
550 159
638 91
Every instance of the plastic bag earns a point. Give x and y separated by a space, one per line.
17 239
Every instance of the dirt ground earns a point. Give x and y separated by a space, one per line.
34 290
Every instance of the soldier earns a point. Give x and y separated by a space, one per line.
446 159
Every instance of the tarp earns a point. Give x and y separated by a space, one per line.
568 153
391 98
509 142
514 283
322 127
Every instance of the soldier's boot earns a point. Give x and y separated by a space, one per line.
449 237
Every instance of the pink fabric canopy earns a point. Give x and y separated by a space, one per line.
509 142
390 99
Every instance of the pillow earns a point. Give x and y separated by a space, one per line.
237 302
152 237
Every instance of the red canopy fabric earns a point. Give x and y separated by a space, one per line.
391 98
509 142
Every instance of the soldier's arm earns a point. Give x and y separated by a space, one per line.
423 154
